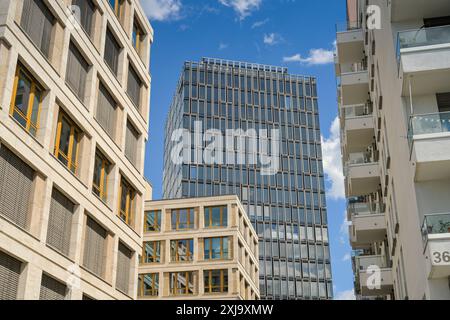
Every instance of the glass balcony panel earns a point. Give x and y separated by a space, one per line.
436 224
424 37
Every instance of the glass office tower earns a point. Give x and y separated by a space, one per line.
287 208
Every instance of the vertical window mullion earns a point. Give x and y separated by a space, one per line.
30 105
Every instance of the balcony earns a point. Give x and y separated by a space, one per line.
436 237
362 174
349 42
429 139
354 81
357 122
403 10
374 275
424 57
368 224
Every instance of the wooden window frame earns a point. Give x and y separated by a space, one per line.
137 36
189 276
222 251
156 257
102 189
223 286
176 256
34 86
177 213
75 132
118 8
154 292
157 220
127 215
209 217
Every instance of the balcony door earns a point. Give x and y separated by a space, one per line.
443 102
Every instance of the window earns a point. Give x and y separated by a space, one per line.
100 181
76 73
216 217
15 175
26 101
118 7
131 145
182 250
153 221
60 222
124 257
38 22
127 194
112 51
134 86
216 248
151 252
67 142
52 289
95 247
216 281
106 111
87 11
137 37
443 102
182 283
148 285
183 219
9 276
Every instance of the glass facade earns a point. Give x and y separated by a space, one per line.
288 208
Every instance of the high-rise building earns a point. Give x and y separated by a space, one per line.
198 248
74 109
394 100
285 201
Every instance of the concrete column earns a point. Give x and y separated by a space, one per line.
31 279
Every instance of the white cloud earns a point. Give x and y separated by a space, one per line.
223 46
345 295
242 7
162 10
315 57
346 257
343 230
258 24
272 39
332 162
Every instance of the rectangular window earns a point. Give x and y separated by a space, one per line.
95 247
60 222
100 180
112 51
216 248
15 175
118 7
38 22
216 217
68 137
124 257
87 11
183 219
182 283
216 281
151 252
26 101
131 145
77 70
137 37
52 289
153 221
182 250
134 86
10 269
106 111
148 285
127 194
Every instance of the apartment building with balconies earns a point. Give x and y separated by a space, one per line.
393 69
198 248
74 111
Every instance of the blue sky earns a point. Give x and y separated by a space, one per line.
298 34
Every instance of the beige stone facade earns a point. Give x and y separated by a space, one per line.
394 103
208 241
74 110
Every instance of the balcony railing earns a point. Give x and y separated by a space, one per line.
423 37
364 208
362 262
354 67
428 123
355 111
348 26
435 224
357 158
